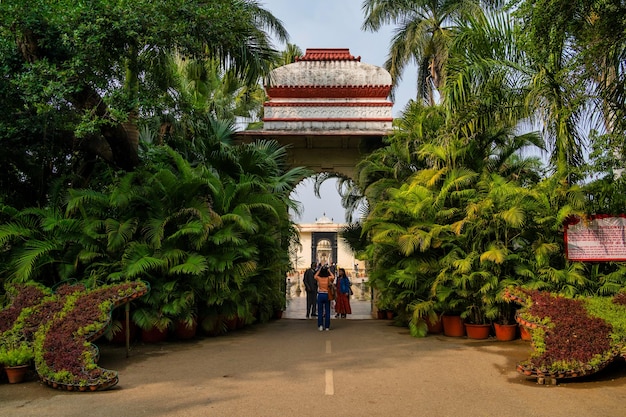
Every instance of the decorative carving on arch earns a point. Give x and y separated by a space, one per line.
313 91
328 104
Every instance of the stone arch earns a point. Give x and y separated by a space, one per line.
332 152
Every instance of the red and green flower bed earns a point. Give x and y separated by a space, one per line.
60 326
570 337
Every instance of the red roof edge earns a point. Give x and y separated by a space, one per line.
328 54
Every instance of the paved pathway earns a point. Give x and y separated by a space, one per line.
288 368
296 309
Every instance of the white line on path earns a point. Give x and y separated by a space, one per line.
330 385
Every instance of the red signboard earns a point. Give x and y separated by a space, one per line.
598 238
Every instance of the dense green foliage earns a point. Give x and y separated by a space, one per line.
79 77
119 165
202 239
458 209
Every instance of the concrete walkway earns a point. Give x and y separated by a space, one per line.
288 368
296 309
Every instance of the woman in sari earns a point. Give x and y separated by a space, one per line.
342 304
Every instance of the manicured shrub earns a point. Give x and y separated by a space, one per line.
571 337
59 326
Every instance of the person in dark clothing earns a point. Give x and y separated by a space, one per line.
310 285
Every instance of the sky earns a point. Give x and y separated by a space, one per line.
335 24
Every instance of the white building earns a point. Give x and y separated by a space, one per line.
321 242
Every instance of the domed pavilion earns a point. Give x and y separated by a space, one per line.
328 107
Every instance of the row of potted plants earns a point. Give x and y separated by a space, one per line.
456 326
56 328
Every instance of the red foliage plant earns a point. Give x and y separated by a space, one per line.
571 335
574 335
21 296
60 326
620 298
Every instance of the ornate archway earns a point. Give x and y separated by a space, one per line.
328 108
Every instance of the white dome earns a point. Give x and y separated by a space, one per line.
329 67
324 220
329 74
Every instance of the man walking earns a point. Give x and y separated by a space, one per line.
310 284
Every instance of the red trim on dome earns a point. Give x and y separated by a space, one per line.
328 54
326 119
314 91
327 104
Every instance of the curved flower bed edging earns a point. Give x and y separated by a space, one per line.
60 327
570 337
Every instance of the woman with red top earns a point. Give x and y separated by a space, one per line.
342 305
324 280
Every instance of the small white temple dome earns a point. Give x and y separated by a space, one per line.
324 220
329 68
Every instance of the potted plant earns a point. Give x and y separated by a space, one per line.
16 356
186 326
278 301
425 317
476 323
452 307
153 323
504 324
150 316
454 292
385 305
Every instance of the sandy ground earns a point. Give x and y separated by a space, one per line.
288 368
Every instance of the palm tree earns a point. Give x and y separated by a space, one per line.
204 88
424 33
557 92
289 55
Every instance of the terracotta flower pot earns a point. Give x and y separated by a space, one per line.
453 326
477 331
153 335
389 314
505 332
16 374
525 333
231 323
434 327
184 332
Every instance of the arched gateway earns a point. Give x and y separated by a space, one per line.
329 108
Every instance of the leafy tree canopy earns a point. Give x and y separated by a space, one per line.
73 72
